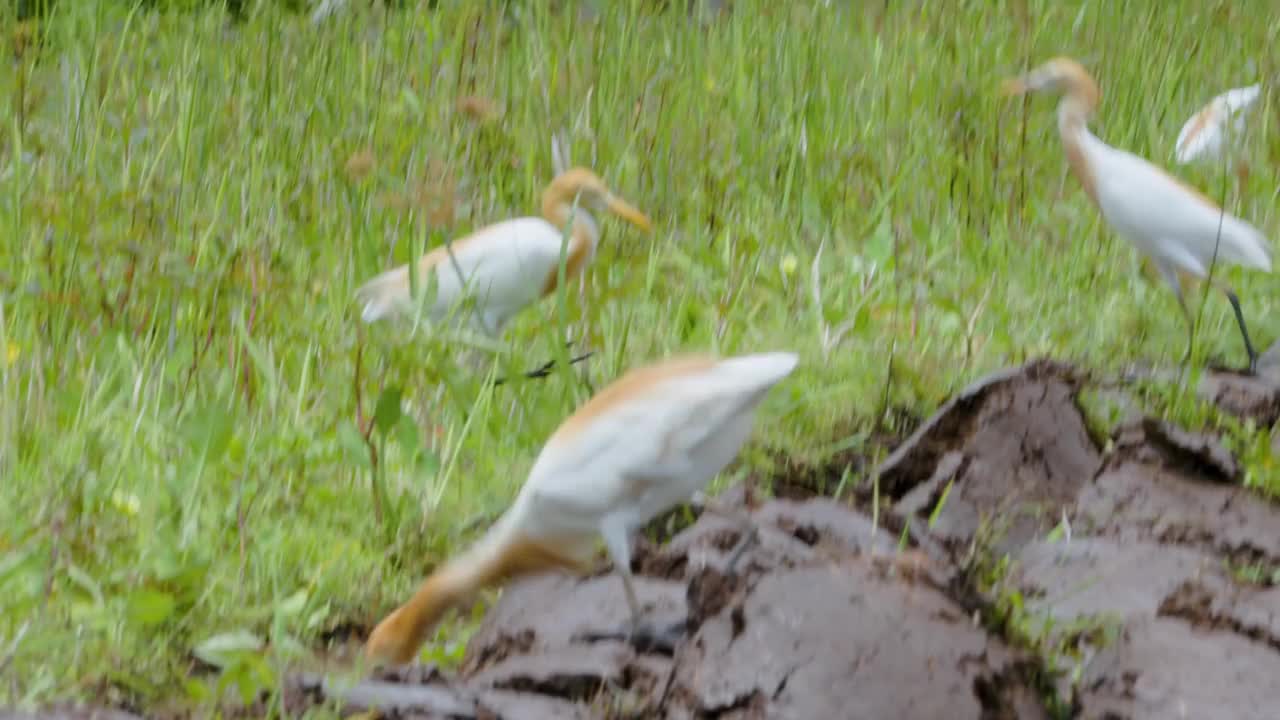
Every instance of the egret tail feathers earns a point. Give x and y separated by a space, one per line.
1243 244
384 294
763 369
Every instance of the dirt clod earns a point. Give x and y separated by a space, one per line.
1253 398
1013 447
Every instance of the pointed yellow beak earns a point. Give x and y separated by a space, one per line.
622 209
1014 86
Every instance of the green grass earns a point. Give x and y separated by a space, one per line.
184 228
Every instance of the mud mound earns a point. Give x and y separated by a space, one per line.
822 617
1189 642
1151 527
1013 446
1014 569
1131 611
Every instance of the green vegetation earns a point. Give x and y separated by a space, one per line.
187 205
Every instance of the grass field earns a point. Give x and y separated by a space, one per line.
187 206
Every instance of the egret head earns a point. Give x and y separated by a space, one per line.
592 194
1059 75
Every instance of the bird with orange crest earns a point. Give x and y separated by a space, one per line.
646 443
1180 229
499 270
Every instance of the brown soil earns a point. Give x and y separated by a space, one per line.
839 612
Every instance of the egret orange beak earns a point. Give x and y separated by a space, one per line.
1014 86
622 209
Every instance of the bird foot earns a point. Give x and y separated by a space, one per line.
1219 364
644 637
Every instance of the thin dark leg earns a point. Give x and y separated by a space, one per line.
545 369
648 638
645 637
1244 332
1191 326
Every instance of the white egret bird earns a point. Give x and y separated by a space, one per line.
1215 125
649 441
1180 229
507 266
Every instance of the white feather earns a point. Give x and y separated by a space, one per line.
503 267
1238 99
649 452
1204 135
1165 220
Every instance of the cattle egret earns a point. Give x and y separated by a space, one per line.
1215 125
649 441
506 266
1179 228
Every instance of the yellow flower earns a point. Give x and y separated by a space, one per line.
789 264
11 353
126 503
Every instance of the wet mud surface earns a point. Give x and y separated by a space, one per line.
1017 566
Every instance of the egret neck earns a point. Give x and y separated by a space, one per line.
558 208
1074 110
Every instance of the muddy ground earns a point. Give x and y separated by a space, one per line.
966 596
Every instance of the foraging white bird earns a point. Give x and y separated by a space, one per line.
507 266
1215 125
1175 225
649 441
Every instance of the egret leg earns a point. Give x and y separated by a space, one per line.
544 370
1244 331
1170 276
643 636
1191 327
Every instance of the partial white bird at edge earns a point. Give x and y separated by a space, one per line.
1219 123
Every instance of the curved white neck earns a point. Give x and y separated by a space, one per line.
1079 143
1073 116
585 228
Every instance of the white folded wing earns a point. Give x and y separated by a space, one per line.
504 266
650 448
1168 220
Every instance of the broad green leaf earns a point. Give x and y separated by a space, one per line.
85 582
293 604
222 649
353 446
150 607
196 690
208 430
387 412
428 463
407 435
879 247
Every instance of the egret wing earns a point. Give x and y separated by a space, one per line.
576 483
504 263
646 453
1238 99
1149 205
